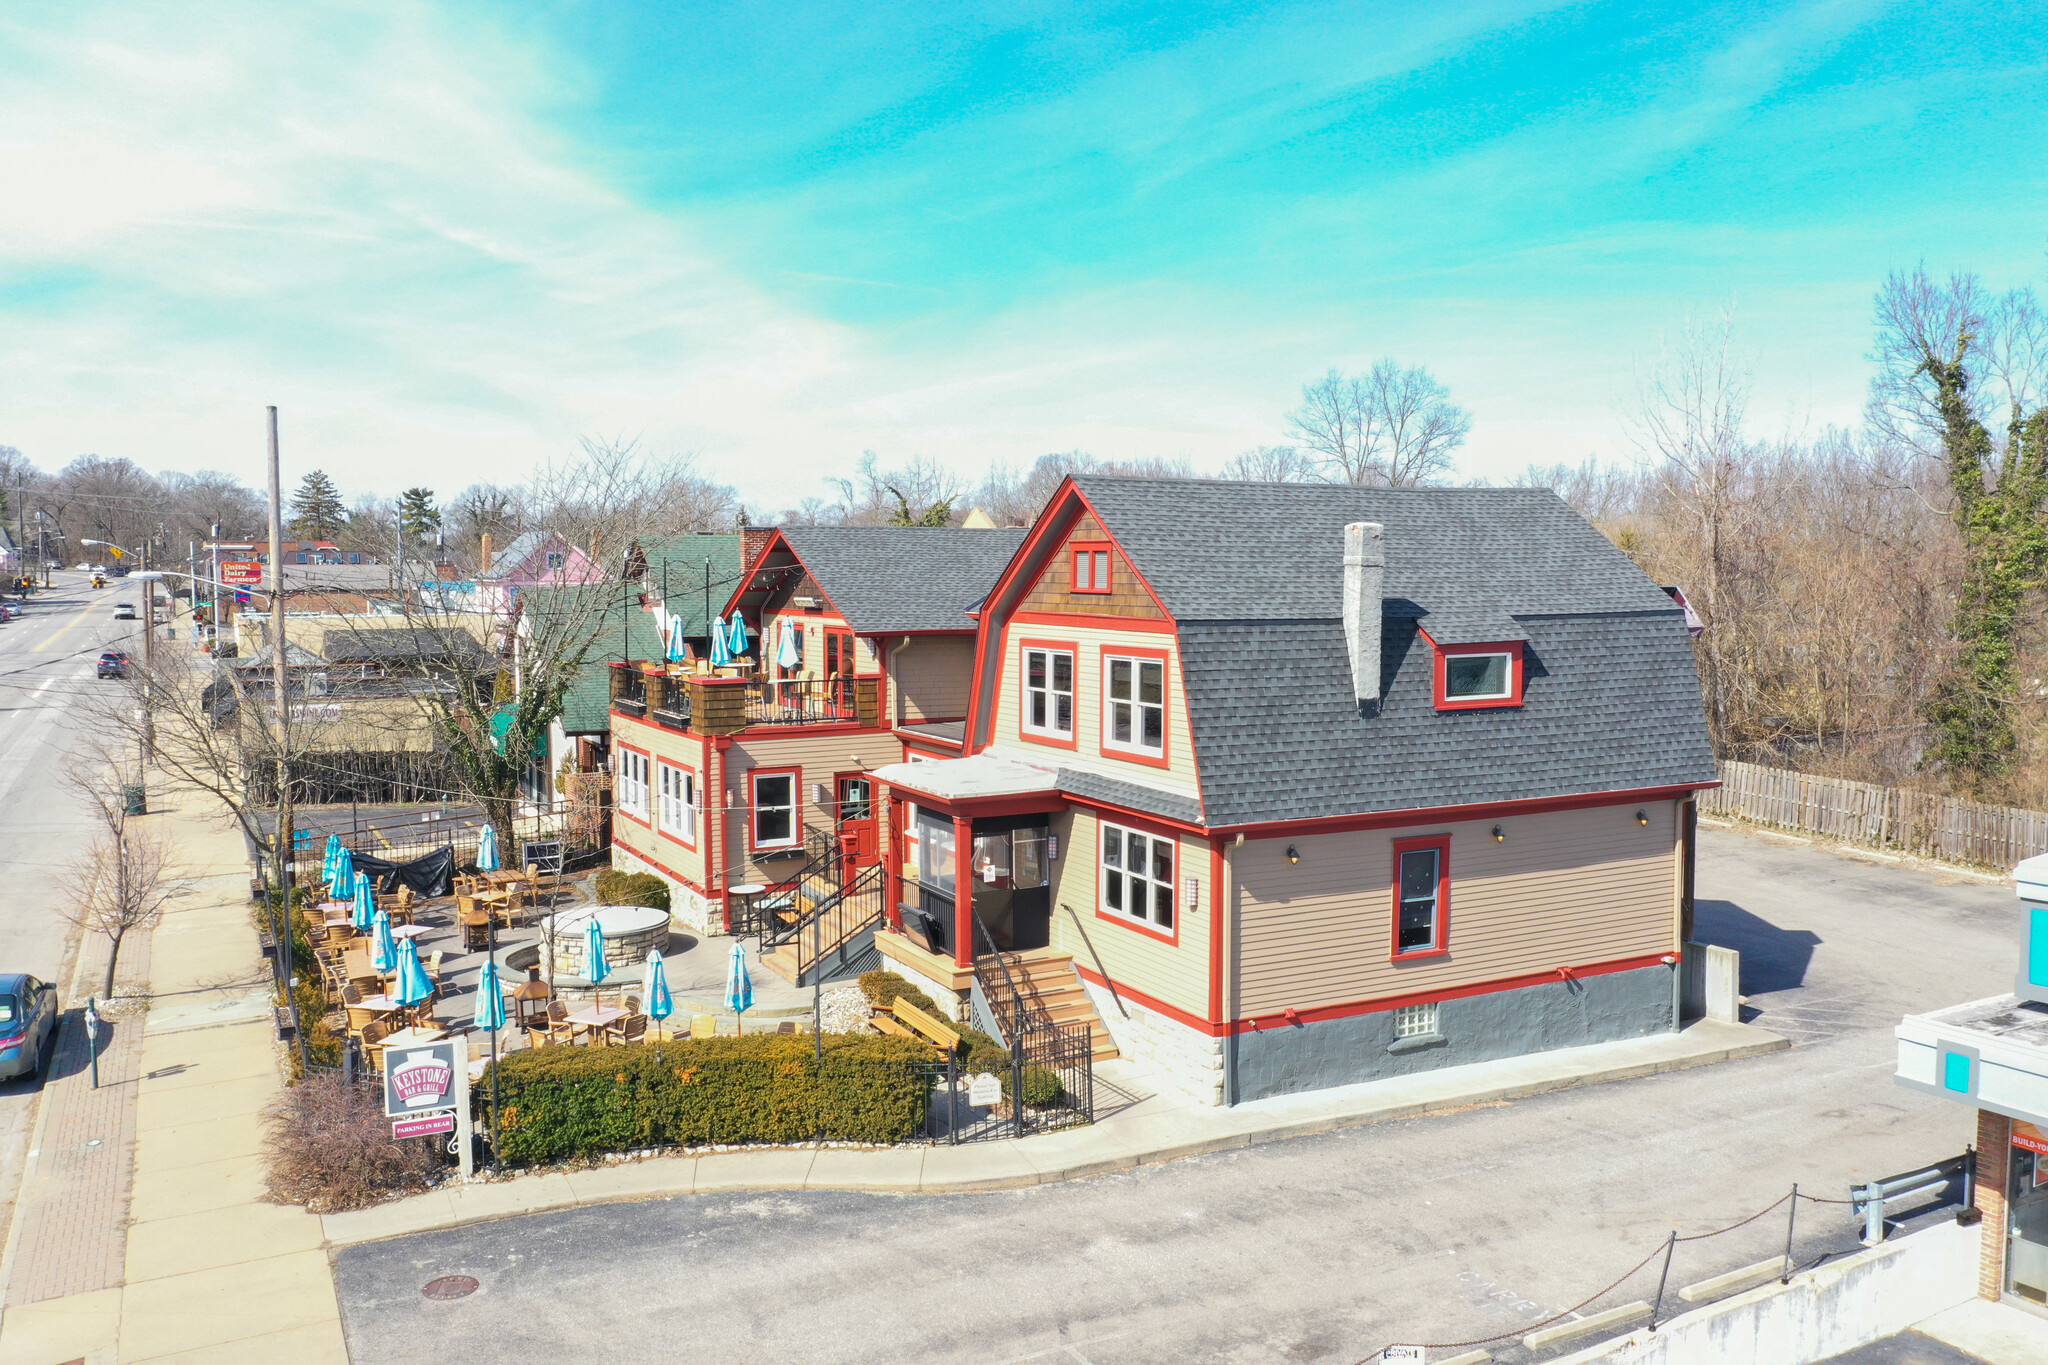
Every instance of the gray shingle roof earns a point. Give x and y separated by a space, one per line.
507 561
904 578
1253 574
1130 795
1218 551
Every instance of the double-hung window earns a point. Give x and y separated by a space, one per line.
632 783
1421 895
1049 693
1091 568
774 813
677 812
1137 876
1134 705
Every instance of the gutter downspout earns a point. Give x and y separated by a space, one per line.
1228 914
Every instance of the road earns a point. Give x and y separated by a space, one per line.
46 664
1437 1230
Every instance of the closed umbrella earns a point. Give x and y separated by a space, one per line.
675 638
487 849
490 1001
787 654
383 947
366 906
736 638
413 986
344 879
660 1004
328 857
739 988
721 649
593 951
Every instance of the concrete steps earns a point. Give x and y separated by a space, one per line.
1049 980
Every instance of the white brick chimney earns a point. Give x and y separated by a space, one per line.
1365 572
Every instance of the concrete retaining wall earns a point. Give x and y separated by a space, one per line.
1821 1313
1478 1028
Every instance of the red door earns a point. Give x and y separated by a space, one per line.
857 842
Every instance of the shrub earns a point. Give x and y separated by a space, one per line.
979 1052
328 1146
884 989
616 886
1042 1087
560 1102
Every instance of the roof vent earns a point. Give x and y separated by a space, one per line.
1365 572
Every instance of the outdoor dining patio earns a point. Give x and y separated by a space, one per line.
516 959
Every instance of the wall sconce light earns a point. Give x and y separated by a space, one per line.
1498 837
1293 854
1642 818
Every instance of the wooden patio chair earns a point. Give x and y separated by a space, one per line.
631 1029
373 1036
560 1030
359 1019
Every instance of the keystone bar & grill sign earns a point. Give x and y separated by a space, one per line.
426 1090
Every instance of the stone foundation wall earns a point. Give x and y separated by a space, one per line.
1181 1059
700 914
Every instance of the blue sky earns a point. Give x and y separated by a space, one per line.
449 239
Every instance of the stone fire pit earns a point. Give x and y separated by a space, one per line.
629 931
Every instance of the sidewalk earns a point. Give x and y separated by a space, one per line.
1996 1333
209 1272
1151 1129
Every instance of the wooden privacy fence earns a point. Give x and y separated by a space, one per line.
1881 817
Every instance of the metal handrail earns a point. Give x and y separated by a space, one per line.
1099 969
1020 1021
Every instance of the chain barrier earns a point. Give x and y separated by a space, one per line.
1793 1197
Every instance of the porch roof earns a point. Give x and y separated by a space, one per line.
979 777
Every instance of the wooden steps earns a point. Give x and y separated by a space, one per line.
1048 980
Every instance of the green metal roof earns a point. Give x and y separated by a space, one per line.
627 631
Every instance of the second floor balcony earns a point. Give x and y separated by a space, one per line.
727 705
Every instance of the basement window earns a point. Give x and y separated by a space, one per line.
1413 1021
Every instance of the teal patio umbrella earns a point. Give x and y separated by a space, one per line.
490 1000
487 849
660 1004
593 950
344 880
721 649
329 857
739 987
413 986
366 905
383 947
736 639
675 637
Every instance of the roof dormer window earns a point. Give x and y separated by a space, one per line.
1481 675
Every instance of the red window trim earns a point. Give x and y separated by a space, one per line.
1511 648
1069 647
1442 844
647 754
1102 658
1077 548
655 795
796 810
1144 926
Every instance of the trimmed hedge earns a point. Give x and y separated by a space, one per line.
616 886
563 1102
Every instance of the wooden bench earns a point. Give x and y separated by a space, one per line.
908 1021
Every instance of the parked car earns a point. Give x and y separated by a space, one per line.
28 1016
124 611
119 571
7 613
113 664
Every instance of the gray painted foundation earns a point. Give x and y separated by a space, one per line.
1478 1028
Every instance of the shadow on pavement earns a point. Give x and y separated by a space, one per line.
1773 959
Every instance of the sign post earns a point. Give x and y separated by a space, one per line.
426 1091
92 1038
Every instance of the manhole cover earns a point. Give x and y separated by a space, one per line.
449 1287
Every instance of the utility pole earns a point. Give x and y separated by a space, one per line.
280 680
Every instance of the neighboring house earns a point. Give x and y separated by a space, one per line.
740 778
289 551
533 559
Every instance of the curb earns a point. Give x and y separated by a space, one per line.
1002 1152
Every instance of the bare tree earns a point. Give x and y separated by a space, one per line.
1688 418
124 878
1271 464
1388 426
920 493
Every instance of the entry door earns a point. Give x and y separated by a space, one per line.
2026 1259
857 842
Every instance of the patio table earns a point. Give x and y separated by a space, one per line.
380 1004
413 1037
593 1020
409 930
503 876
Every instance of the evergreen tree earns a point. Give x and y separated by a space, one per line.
317 511
417 513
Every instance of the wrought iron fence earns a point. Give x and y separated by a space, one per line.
802 701
1051 1066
